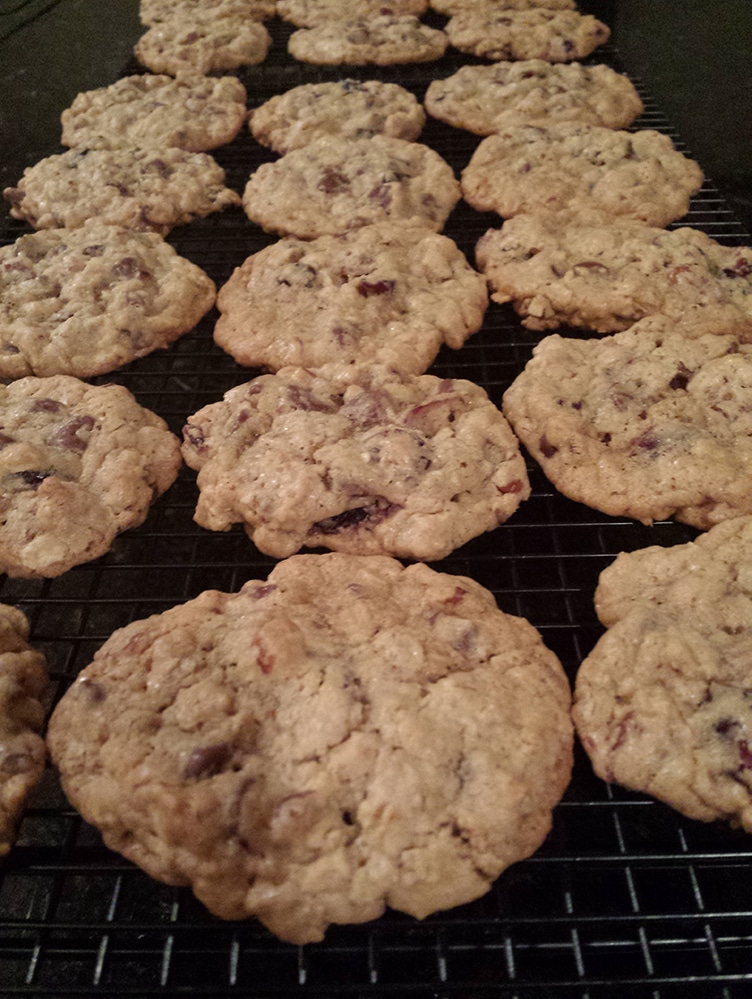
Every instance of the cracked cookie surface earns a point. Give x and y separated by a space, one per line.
204 44
364 461
663 703
347 735
383 40
648 423
553 35
385 293
86 301
79 464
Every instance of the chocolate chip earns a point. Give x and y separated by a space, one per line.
548 450
67 435
46 406
369 288
332 181
94 691
33 479
207 761
15 763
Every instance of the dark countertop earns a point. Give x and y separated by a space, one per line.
694 56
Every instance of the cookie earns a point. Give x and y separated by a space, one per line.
452 7
365 461
78 464
647 423
553 35
146 189
158 11
664 701
311 13
585 168
386 293
23 680
347 735
202 45
605 276
385 40
346 109
195 113
86 301
488 99
333 185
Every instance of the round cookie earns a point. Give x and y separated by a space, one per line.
333 185
559 269
663 703
385 293
346 109
648 423
23 680
78 464
203 45
311 13
365 461
146 189
553 35
585 168
193 112
86 301
347 735
384 40
157 11
452 7
488 99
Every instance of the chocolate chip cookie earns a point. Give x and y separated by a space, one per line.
78 464
202 44
347 735
310 13
536 33
384 40
157 11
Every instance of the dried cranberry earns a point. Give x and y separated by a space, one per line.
369 288
332 181
548 450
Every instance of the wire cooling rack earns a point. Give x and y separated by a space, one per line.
625 899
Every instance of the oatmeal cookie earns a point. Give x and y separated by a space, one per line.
311 13
368 41
86 301
333 185
142 189
348 735
647 423
202 45
345 109
488 99
585 168
193 112
452 7
384 293
23 680
664 701
365 461
157 11
536 33
78 464
557 269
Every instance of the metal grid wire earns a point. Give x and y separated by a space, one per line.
626 898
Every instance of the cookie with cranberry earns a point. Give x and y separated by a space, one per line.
86 301
535 33
385 293
23 680
346 735
203 44
347 109
649 423
664 701
311 13
333 185
452 7
79 464
383 40
157 11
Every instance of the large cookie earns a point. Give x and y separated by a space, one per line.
664 701
347 109
647 423
311 13
605 276
86 301
586 168
193 112
23 679
147 189
203 44
452 7
348 735
332 185
78 465
157 11
384 40
488 99
364 461
553 35
386 293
